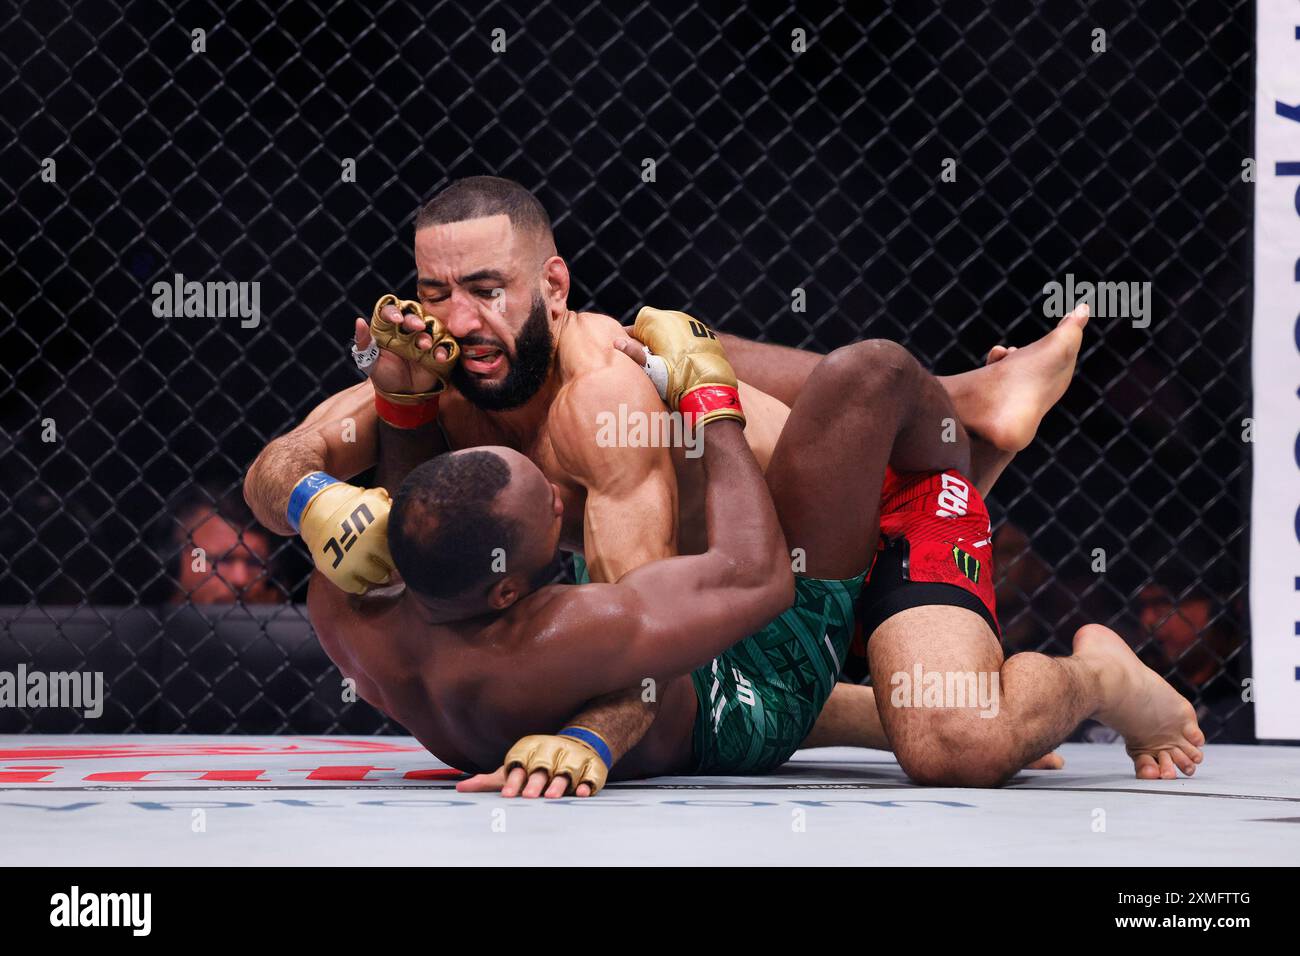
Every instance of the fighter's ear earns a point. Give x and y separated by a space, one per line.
504 593
555 283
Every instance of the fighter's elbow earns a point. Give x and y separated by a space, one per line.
768 583
780 590
251 478
777 573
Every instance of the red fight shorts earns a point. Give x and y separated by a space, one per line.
935 549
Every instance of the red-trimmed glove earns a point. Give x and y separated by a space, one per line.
701 382
413 409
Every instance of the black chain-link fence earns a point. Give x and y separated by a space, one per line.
137 150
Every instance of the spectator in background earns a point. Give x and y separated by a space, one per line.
1039 607
1195 645
1178 627
1188 637
216 561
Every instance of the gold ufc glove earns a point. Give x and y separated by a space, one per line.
578 753
345 529
701 382
397 340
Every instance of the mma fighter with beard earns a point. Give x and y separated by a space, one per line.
534 376
467 655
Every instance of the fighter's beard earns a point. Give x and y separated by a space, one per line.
528 366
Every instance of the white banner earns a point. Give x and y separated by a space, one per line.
1275 369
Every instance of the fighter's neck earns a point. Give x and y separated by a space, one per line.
448 625
525 422
439 616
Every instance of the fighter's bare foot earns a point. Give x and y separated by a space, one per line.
1005 401
1157 723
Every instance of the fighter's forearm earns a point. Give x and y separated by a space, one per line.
272 476
745 539
337 437
621 718
697 605
402 449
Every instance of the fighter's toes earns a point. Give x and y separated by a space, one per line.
1167 771
1165 763
1147 767
1190 753
1079 317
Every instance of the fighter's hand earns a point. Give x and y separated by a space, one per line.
519 783
346 530
416 353
686 362
554 765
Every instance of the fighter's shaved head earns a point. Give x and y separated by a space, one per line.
478 196
444 527
471 531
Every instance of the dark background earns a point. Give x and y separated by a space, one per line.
775 171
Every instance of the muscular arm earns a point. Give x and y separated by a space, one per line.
402 449
665 618
630 517
339 436
670 616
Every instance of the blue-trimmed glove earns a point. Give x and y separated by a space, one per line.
578 753
345 529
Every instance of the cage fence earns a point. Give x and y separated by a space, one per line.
724 162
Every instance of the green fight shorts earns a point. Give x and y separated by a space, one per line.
759 699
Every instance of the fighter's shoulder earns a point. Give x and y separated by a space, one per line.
564 613
596 380
586 343
583 411
592 369
332 609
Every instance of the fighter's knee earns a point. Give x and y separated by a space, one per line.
877 364
956 756
970 774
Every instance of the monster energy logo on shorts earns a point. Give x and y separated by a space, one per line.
967 565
